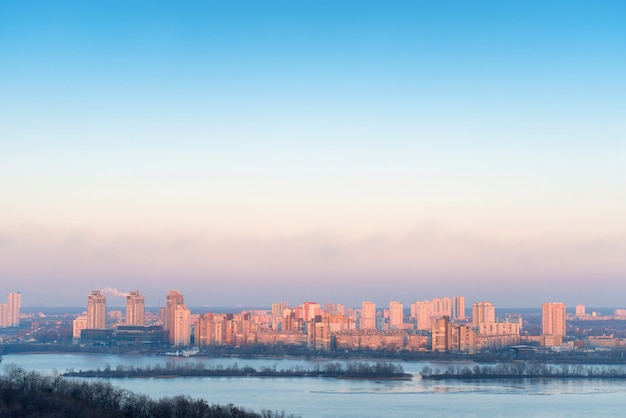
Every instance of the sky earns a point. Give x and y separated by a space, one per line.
251 152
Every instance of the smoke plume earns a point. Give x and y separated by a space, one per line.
114 292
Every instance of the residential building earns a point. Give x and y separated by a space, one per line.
78 325
180 334
423 315
14 303
135 308
483 312
441 334
96 310
368 315
458 308
176 315
553 323
396 315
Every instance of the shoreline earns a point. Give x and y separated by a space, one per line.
28 349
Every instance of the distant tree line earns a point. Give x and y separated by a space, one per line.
32 394
518 369
353 370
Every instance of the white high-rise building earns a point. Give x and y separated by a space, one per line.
553 323
483 312
423 315
78 325
14 303
177 319
181 335
580 310
436 310
135 308
96 310
396 315
458 308
446 307
368 315
4 315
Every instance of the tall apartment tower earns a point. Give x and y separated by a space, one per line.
440 334
135 308
553 325
177 318
368 315
483 312
458 308
396 315
4 315
446 307
278 308
180 335
435 308
310 310
14 302
423 315
580 310
96 310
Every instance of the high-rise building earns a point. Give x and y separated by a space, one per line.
96 310
396 315
4 315
334 309
423 315
458 308
446 307
553 324
78 325
310 310
135 308
483 312
436 310
176 316
172 299
440 334
278 308
204 330
181 332
368 315
14 302
10 311
580 310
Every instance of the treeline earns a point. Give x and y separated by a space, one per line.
31 394
353 370
524 370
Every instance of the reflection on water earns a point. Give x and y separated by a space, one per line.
326 397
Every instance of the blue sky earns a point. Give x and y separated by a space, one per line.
304 149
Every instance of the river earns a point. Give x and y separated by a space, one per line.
327 397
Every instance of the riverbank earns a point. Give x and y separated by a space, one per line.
612 357
525 370
350 370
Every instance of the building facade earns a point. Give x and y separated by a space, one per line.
96 310
368 315
553 323
396 315
10 311
422 312
483 312
181 332
458 308
14 302
176 321
135 309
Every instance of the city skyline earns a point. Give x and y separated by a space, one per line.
298 151
454 307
